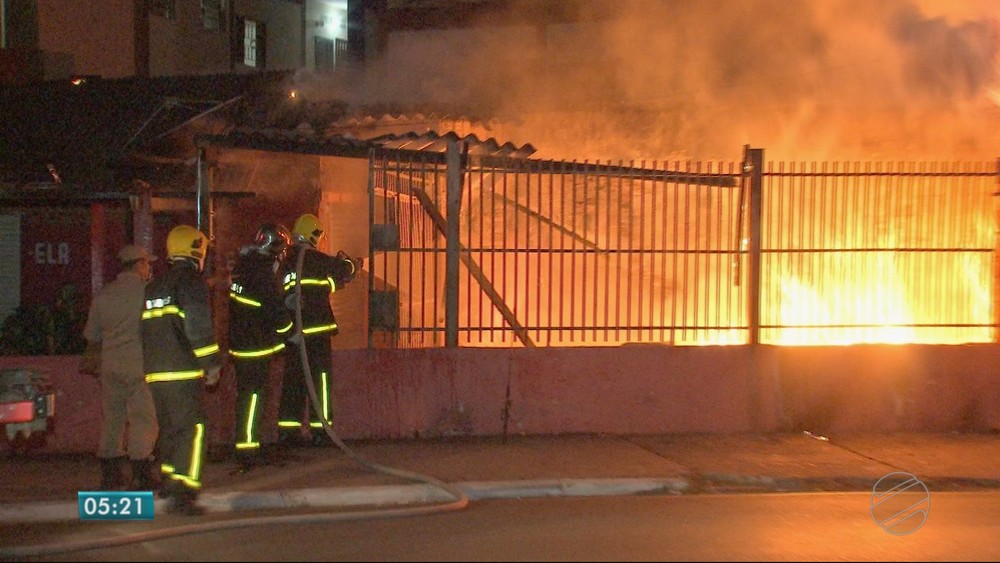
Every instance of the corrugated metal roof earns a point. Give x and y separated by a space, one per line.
432 141
420 131
305 140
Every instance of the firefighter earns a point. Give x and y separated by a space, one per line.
259 324
180 356
321 275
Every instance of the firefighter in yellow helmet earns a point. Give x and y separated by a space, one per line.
180 356
320 276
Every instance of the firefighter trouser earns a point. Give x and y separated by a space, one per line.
295 394
251 396
183 440
128 417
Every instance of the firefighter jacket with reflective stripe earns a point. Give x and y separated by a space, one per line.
177 337
259 322
322 275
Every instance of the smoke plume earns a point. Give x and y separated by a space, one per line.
698 79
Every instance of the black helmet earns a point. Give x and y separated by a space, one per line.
272 238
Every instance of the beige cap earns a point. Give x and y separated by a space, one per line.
133 253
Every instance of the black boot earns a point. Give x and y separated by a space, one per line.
321 439
143 478
183 501
247 459
289 438
112 473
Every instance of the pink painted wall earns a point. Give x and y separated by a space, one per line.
888 387
628 390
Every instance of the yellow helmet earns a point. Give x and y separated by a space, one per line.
185 241
308 229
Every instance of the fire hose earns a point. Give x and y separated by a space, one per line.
460 501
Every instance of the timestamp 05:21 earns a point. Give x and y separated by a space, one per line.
115 505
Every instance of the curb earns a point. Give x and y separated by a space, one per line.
383 495
733 483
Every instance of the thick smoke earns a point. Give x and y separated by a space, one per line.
679 79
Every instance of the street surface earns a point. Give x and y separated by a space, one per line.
960 526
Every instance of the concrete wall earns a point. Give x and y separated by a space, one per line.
627 390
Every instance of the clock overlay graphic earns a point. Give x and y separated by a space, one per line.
115 505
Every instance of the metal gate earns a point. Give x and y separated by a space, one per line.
474 250
878 252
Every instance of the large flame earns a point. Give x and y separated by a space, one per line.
826 80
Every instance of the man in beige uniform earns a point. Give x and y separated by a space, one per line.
128 424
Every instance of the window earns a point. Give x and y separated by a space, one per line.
341 51
249 42
163 8
213 14
325 50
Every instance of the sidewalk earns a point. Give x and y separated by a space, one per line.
40 487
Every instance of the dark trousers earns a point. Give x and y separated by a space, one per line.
251 398
183 441
295 394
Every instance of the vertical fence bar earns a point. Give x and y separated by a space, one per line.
996 258
619 249
465 296
754 165
534 256
417 221
607 245
551 255
454 189
372 270
496 244
478 303
574 297
642 253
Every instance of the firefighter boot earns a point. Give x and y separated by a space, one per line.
288 438
142 475
112 473
321 438
183 501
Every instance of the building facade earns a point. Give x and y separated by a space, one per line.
60 39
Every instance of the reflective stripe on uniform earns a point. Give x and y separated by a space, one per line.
159 312
318 329
206 350
245 300
173 376
251 415
257 353
193 478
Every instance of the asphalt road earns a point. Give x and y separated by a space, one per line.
960 526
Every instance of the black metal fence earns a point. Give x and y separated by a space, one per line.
486 251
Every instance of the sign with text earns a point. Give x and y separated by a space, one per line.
55 252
